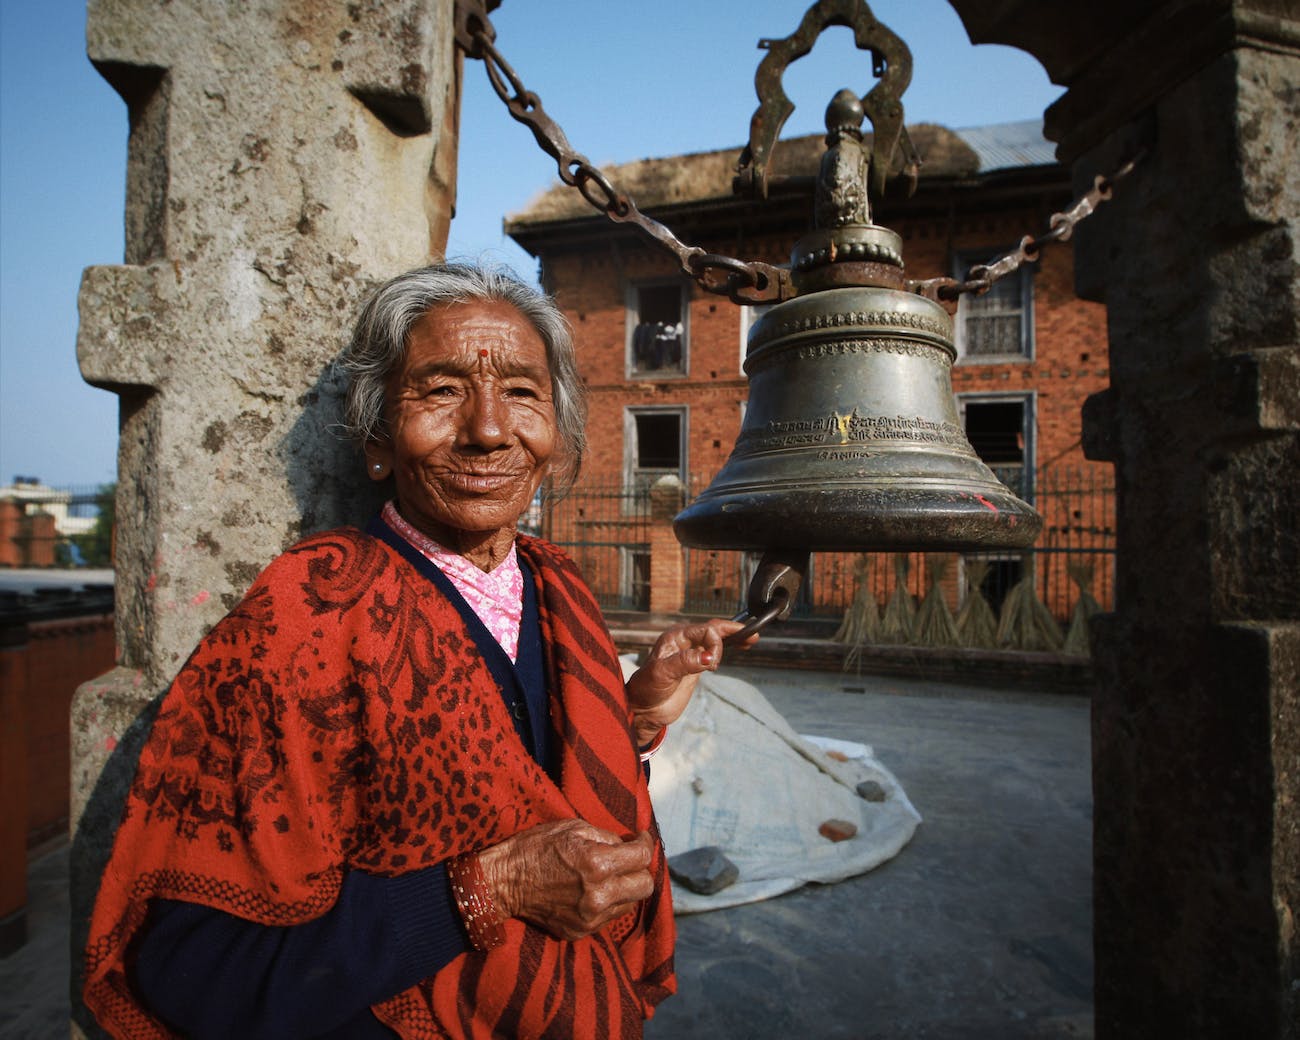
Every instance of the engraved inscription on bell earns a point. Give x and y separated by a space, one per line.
852 440
843 430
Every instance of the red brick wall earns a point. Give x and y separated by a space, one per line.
59 657
1070 359
26 540
13 795
593 294
10 518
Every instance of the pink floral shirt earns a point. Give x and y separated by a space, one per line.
496 596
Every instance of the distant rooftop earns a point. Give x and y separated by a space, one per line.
701 176
1010 145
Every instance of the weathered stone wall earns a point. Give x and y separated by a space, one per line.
282 159
1196 736
284 156
1197 721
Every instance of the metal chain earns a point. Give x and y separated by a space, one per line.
742 281
1060 227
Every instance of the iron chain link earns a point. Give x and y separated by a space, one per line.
743 281
1060 227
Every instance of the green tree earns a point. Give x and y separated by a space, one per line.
97 545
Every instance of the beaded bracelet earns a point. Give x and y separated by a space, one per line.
482 920
653 746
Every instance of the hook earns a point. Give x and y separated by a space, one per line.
772 591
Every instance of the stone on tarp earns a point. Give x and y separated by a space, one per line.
704 870
871 791
837 830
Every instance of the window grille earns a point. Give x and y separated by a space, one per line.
997 324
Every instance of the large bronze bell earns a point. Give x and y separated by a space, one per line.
851 439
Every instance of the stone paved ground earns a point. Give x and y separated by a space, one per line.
979 930
34 980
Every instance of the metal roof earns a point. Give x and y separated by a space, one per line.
1010 145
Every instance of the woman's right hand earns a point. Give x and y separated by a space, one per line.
568 877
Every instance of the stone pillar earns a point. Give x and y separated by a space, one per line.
1196 721
667 557
284 157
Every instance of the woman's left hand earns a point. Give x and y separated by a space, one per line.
660 689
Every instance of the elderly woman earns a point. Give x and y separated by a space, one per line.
400 789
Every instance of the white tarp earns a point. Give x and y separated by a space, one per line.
732 773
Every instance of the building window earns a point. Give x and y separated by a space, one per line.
997 325
1001 430
634 578
657 333
654 446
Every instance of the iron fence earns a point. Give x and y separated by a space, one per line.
606 528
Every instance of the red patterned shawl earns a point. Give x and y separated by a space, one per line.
341 717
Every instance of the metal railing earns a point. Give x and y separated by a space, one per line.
606 528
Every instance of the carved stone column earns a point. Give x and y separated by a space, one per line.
1196 723
284 157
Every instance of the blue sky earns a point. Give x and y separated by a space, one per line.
625 78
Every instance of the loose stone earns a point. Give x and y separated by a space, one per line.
838 830
705 870
871 791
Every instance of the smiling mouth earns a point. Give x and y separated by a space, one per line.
479 483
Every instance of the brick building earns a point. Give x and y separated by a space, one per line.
27 535
36 519
663 359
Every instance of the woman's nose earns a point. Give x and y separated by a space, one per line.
485 423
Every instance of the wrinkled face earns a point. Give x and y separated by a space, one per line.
470 420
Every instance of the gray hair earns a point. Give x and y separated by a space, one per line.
380 338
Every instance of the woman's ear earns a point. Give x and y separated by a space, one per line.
379 460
